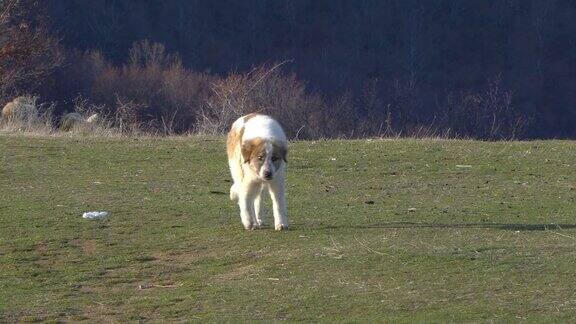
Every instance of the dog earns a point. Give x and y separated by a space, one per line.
257 150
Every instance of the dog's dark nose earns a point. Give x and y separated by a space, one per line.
268 175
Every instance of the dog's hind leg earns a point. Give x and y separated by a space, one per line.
237 174
233 192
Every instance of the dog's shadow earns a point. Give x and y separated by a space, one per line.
501 226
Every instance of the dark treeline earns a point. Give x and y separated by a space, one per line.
479 68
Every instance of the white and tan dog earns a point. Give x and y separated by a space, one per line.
257 149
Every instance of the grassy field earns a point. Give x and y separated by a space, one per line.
402 230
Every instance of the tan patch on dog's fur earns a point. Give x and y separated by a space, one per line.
234 140
255 148
250 116
251 150
235 136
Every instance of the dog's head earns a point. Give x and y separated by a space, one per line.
264 157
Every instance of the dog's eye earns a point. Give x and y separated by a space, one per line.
274 158
260 157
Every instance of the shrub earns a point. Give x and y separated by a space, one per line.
488 114
70 121
24 115
266 90
28 54
21 109
153 91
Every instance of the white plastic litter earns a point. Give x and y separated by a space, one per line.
95 215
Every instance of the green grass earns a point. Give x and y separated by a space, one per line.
396 230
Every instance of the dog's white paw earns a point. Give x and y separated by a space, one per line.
281 227
251 226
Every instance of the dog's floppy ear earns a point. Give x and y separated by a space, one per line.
247 151
282 151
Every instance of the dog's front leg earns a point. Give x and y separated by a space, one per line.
246 203
258 205
277 193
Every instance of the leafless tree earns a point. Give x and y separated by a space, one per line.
28 54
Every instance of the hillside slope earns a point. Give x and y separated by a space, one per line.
428 230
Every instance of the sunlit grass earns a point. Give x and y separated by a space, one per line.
427 230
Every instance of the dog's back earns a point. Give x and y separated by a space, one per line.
264 127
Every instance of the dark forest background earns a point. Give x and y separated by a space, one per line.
477 68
